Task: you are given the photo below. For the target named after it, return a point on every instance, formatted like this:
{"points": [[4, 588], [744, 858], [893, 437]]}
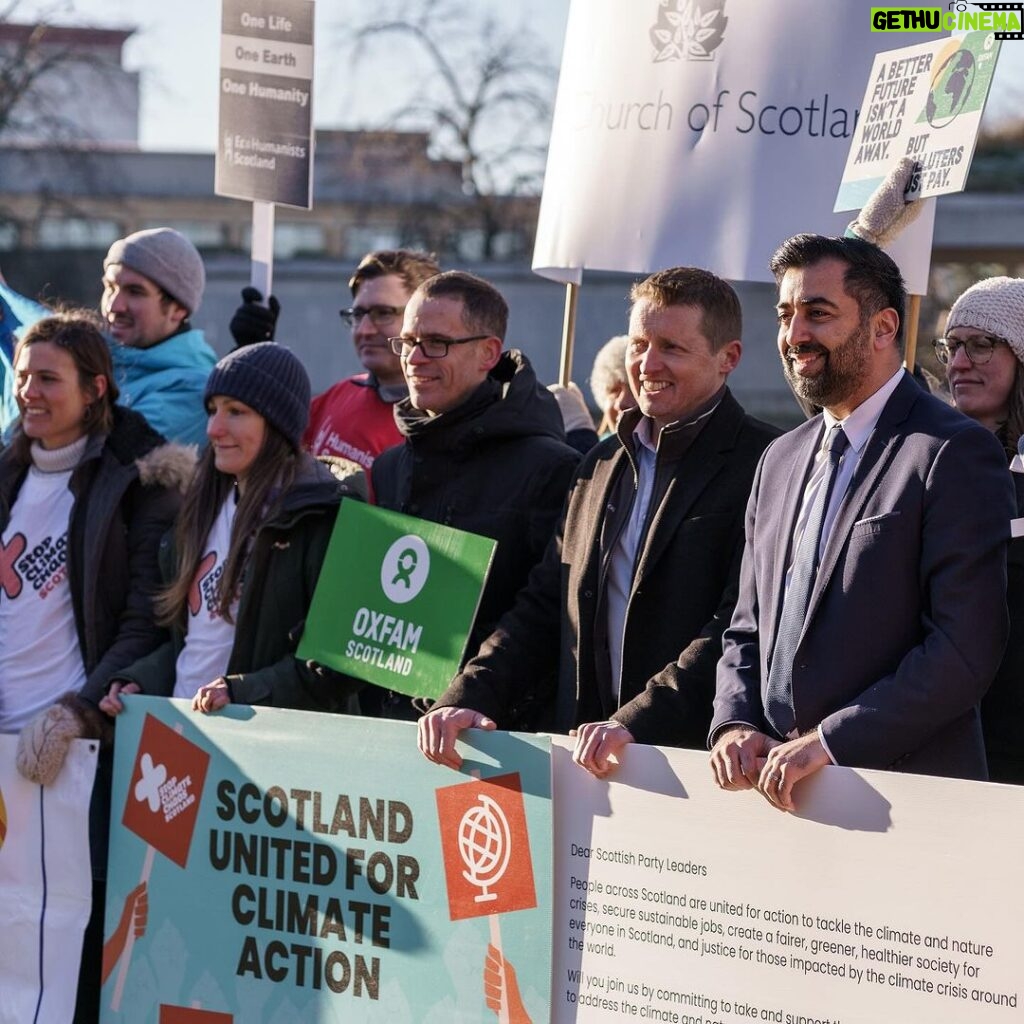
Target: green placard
{"points": [[396, 599]]}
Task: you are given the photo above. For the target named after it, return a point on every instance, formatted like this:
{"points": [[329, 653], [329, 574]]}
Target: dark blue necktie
{"points": [[778, 704]]}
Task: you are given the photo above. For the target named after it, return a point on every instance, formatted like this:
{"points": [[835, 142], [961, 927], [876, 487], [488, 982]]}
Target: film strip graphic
{"points": [[1019, 8]]}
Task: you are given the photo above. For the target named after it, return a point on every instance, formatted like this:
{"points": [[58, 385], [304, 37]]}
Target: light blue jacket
{"points": [[16, 311], [165, 383]]}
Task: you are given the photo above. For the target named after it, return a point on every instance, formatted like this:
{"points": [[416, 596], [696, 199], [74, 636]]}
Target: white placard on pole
{"points": [[924, 102], [705, 144]]}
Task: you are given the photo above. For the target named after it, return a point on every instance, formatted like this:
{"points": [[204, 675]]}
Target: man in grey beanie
{"points": [[152, 284]]}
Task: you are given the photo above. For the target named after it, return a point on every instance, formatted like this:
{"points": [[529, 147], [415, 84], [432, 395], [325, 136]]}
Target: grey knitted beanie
{"points": [[996, 306], [168, 259], [270, 379]]}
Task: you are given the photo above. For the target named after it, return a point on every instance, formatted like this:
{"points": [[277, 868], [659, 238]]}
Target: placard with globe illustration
{"points": [[923, 102]]}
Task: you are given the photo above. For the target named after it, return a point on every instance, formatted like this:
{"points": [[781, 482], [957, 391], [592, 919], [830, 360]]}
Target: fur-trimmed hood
{"points": [[133, 442], [170, 465]]}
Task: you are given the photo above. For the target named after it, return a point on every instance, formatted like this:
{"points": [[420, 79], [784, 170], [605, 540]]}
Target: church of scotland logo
{"points": [[688, 29]]}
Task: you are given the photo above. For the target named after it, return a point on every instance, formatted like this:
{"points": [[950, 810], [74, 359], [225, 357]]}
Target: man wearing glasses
{"points": [[354, 418], [872, 602], [484, 446], [620, 626]]}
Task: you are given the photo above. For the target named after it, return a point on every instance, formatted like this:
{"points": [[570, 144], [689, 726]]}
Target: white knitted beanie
{"points": [[996, 306]]}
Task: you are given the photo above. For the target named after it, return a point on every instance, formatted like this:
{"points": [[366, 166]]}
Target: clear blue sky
{"points": [[176, 49]]}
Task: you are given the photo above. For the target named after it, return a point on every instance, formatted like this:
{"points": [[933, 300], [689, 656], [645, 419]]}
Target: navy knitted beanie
{"points": [[270, 379]]}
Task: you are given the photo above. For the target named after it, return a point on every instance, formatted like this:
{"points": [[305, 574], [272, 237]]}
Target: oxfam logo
{"points": [[405, 569]]}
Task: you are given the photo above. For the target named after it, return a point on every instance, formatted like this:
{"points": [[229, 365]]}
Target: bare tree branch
{"points": [[31, 59], [485, 96]]}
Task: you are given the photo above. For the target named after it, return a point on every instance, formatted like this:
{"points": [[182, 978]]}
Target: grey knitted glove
{"points": [[44, 742], [887, 212]]}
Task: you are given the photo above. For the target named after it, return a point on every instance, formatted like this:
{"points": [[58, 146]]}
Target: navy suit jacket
{"points": [[907, 620]]}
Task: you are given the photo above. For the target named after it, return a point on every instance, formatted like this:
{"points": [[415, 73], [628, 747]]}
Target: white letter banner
{"points": [[705, 132], [883, 897], [46, 884]]}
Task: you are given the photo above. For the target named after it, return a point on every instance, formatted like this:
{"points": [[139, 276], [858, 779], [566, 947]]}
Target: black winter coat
{"points": [[1002, 708], [127, 491], [277, 588], [684, 589], [497, 465]]}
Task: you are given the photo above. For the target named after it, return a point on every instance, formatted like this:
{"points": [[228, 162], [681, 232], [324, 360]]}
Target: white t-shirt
{"points": [[209, 638], [40, 657]]}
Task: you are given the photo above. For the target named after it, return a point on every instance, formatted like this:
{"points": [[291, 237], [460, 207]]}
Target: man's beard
{"points": [[846, 368]]}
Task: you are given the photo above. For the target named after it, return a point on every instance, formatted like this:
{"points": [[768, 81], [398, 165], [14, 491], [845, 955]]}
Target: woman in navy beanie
{"points": [[245, 554]]}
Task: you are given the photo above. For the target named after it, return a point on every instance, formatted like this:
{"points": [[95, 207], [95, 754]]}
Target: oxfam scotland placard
{"points": [[396, 599]]}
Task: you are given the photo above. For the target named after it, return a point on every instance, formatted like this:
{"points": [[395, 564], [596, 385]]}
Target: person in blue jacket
{"points": [[15, 312], [153, 283]]}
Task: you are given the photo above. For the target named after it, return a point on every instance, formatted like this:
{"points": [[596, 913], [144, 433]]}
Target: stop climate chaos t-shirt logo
{"points": [[43, 567], [165, 790]]}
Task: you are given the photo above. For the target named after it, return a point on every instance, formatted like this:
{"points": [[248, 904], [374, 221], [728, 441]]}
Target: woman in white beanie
{"points": [[983, 352], [247, 550]]}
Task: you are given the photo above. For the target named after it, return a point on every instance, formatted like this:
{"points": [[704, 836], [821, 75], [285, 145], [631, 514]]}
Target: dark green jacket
{"points": [[277, 588]]}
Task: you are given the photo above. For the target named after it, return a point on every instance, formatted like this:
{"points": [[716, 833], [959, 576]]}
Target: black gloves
{"points": [[253, 322]]}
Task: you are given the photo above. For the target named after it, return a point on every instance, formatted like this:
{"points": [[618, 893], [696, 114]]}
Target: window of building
{"points": [[505, 245], [367, 237], [203, 234], [291, 240], [76, 233], [8, 236]]}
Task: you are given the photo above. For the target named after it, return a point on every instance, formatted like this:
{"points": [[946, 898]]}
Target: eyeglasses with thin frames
{"points": [[379, 316], [432, 348], [979, 349]]}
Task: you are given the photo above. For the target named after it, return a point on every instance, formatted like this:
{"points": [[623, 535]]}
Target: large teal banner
{"points": [[278, 866]]}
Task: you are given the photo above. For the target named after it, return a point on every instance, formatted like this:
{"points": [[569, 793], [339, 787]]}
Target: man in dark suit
{"points": [[872, 607], [620, 624]]}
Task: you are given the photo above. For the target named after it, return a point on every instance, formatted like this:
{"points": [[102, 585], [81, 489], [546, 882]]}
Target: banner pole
{"points": [[126, 955], [261, 274], [572, 292], [910, 339]]}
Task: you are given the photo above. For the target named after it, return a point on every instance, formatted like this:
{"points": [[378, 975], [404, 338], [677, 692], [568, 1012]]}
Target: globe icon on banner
{"points": [[485, 845], [951, 88]]}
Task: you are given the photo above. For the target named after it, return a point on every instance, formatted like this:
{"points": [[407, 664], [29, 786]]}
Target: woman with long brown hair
{"points": [[247, 549], [87, 489]]}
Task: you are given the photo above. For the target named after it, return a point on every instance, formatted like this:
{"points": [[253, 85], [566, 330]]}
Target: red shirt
{"points": [[350, 419]]}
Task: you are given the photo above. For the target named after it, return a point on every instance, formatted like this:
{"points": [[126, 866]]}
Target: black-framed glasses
{"points": [[979, 349], [432, 348], [379, 315]]}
